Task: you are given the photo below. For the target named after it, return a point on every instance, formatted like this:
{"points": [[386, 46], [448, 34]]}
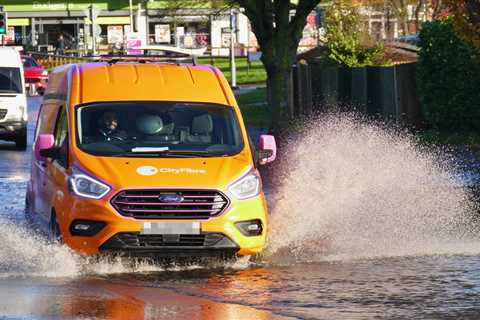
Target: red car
{"points": [[36, 77]]}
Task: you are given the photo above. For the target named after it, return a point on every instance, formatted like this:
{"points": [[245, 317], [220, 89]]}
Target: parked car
{"points": [[412, 39], [13, 101], [149, 159], [36, 77]]}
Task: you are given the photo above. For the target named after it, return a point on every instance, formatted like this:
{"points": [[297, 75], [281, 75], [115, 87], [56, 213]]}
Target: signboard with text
{"points": [[9, 37], [134, 41], [162, 33], [115, 34]]}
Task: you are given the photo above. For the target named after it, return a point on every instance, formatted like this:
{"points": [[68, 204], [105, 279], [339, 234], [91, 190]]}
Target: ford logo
{"points": [[170, 198]]}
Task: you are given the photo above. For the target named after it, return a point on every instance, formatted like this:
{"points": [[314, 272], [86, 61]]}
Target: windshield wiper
{"points": [[169, 153]]}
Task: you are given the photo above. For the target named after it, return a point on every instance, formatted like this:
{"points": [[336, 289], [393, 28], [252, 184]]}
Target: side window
{"points": [[61, 137], [39, 123]]}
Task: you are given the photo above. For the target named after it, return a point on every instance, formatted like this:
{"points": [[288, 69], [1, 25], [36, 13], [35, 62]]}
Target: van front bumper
{"points": [[11, 129], [206, 244], [218, 236]]}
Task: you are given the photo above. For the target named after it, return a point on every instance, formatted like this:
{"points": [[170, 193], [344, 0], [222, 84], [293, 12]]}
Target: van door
{"points": [[47, 117], [56, 172]]}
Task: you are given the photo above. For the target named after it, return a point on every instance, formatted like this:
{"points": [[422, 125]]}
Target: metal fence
{"points": [[389, 92]]}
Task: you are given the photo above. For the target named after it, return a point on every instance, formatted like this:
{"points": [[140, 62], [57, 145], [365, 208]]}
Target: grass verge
{"points": [[253, 74], [255, 111]]}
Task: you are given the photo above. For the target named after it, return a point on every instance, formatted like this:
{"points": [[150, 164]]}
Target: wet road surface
{"points": [[39, 280]]}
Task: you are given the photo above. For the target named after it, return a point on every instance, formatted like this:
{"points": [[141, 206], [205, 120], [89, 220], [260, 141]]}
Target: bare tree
{"points": [[421, 4], [437, 7], [400, 9]]}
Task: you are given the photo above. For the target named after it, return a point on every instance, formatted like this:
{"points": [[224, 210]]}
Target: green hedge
{"points": [[448, 78]]}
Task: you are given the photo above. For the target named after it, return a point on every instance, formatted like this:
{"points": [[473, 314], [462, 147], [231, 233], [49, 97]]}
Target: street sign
{"points": [[92, 13], [97, 30]]}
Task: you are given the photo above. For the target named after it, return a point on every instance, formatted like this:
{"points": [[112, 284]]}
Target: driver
{"points": [[109, 129]]}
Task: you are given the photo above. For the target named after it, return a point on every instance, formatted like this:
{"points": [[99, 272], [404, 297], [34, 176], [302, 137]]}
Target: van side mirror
{"points": [[268, 149], [44, 142]]}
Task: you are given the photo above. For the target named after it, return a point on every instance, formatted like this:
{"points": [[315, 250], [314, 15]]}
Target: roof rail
{"points": [[176, 50], [112, 59]]}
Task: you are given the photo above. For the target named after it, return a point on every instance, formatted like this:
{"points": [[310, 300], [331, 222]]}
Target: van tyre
{"points": [[21, 140], [55, 233], [28, 213]]}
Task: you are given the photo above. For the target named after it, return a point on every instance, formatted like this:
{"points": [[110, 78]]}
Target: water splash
{"points": [[351, 189], [348, 189], [25, 253]]}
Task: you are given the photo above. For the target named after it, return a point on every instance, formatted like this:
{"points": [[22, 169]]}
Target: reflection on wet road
{"points": [[39, 280]]}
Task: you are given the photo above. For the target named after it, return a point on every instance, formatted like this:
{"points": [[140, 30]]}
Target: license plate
{"points": [[170, 228]]}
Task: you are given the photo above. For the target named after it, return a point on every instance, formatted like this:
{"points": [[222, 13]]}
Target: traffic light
{"points": [[3, 22]]}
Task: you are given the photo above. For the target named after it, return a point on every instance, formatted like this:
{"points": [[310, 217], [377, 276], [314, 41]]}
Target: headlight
{"points": [[85, 186], [45, 73], [247, 186]]}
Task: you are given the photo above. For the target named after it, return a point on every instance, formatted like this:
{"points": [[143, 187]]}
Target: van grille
{"points": [[170, 204], [178, 240], [3, 113]]}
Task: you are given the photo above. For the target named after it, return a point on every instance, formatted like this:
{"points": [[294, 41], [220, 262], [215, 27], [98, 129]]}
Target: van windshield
{"points": [[158, 129], [10, 80]]}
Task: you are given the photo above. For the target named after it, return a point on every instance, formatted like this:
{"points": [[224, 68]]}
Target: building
{"points": [[37, 24]]}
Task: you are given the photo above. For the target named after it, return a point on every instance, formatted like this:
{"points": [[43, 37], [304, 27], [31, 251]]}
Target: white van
{"points": [[13, 100]]}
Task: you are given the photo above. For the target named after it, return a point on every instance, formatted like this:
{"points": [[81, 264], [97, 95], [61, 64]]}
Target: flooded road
{"points": [[416, 261]]}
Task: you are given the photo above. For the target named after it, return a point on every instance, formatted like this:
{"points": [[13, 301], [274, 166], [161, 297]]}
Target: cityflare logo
{"points": [[150, 170]]}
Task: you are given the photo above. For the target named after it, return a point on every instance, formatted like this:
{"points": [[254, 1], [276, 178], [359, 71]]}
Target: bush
{"points": [[448, 78], [347, 41]]}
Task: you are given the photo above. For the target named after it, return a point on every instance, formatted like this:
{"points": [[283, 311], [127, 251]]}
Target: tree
{"points": [[278, 27], [348, 42], [467, 19], [437, 7], [400, 9], [448, 78]]}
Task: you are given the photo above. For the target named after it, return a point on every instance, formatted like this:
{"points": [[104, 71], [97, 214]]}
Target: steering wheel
{"points": [[117, 138]]}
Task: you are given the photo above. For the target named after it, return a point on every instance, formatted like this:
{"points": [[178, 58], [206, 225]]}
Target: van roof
{"points": [[9, 57], [123, 81]]}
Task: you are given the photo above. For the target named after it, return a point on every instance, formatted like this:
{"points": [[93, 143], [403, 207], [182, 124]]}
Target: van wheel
{"points": [[55, 233], [28, 213], [21, 140]]}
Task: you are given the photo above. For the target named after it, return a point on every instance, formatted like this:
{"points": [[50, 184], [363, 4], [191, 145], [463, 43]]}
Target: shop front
{"points": [[49, 25], [82, 27]]}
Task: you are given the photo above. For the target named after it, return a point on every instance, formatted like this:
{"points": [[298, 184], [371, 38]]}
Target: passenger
{"points": [[109, 129]]}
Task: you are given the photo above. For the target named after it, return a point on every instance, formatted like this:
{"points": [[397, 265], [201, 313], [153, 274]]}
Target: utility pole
{"points": [[233, 29], [131, 15], [92, 29]]}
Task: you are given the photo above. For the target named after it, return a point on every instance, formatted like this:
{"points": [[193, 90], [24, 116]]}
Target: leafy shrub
{"points": [[347, 41], [448, 78]]}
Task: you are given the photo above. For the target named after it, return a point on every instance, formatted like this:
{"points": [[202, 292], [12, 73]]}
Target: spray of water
{"points": [[346, 189], [351, 189], [28, 254], [24, 254]]}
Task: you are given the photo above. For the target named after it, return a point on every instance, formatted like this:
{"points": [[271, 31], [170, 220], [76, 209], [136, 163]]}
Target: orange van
{"points": [[147, 159]]}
